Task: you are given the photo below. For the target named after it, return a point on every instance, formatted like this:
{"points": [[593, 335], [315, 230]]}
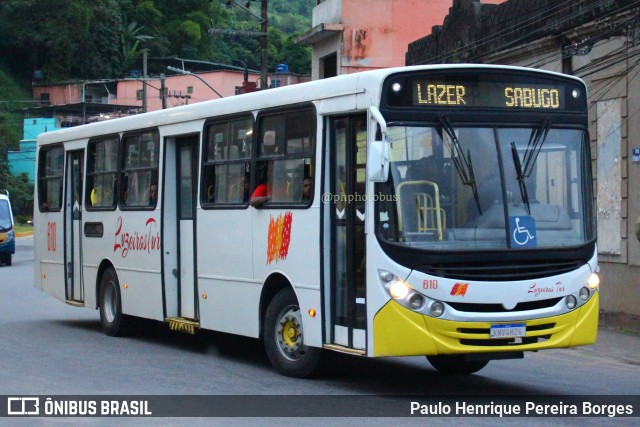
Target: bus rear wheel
{"points": [[284, 337], [114, 323], [456, 364]]}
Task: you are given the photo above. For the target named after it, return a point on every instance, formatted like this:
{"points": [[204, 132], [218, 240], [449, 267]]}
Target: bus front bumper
{"points": [[402, 332], [7, 246]]}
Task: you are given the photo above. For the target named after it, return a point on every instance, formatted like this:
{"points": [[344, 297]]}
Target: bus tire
{"points": [[456, 364], [6, 258], [284, 338], [114, 323]]}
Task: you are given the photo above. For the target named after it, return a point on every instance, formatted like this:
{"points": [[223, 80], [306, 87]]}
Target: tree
{"points": [[130, 43], [20, 190]]}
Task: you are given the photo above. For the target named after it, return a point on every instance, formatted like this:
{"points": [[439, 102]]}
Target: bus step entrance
{"points": [[181, 324]]}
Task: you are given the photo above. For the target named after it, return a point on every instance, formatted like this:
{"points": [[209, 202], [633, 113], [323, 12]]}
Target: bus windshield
{"points": [[468, 188], [5, 216]]}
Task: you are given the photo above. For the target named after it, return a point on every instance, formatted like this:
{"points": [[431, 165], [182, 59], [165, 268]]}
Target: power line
{"points": [[491, 37]]}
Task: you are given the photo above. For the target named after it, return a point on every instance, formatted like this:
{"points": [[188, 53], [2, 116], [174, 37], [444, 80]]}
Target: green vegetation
{"points": [[23, 228], [101, 39], [13, 97]]}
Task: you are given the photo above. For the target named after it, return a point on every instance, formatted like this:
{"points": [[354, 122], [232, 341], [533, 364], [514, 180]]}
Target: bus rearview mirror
{"points": [[378, 161]]}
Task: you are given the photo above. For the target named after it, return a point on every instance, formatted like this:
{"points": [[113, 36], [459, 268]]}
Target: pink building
{"points": [[128, 93], [348, 36]]}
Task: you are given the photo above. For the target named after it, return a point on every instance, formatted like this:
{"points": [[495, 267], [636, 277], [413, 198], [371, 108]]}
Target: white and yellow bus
{"points": [[444, 211]]}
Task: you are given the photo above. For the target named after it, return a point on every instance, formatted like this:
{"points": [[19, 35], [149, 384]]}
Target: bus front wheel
{"points": [[114, 323], [284, 337], [456, 364]]}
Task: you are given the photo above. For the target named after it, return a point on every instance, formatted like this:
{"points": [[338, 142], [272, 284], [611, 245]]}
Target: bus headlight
{"points": [[385, 276], [593, 281], [437, 309], [571, 302], [402, 292], [399, 289], [10, 236], [584, 293], [416, 301]]}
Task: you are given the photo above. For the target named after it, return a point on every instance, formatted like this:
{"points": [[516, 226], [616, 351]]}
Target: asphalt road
{"points": [[50, 348]]}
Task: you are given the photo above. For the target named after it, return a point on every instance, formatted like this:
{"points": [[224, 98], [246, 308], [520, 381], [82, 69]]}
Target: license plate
{"points": [[513, 330]]}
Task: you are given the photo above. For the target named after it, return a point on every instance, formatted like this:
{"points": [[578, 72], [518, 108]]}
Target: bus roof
{"points": [[304, 92]]}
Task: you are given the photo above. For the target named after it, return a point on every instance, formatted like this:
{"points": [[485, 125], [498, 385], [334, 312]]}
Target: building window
{"points": [[139, 95], [275, 83], [329, 66], [140, 170], [227, 159], [45, 99], [50, 173], [189, 89], [102, 173]]}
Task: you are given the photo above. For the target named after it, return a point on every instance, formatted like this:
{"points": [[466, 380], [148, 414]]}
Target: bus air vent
{"points": [[496, 271]]}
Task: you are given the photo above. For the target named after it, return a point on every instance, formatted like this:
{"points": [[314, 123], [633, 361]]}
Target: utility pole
{"points": [[144, 82], [264, 26], [263, 43], [163, 92]]}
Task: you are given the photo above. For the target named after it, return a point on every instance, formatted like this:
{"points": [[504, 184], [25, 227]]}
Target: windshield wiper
{"points": [[524, 169], [463, 164]]}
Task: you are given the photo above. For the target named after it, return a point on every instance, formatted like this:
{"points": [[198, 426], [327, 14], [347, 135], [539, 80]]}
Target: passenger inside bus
{"points": [[306, 189], [153, 194], [262, 193]]}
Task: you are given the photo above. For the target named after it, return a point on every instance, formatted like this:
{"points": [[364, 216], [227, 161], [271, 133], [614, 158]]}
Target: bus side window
{"points": [[284, 156], [226, 165], [140, 171], [50, 173], [102, 172]]}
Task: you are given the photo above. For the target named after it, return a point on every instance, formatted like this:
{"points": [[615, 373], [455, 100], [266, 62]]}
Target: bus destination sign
{"points": [[487, 94]]}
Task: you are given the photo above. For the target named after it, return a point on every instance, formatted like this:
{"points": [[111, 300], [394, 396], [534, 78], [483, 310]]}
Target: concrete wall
{"points": [[375, 33]]}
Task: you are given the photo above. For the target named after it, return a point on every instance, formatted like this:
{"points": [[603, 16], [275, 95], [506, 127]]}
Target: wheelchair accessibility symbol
{"points": [[523, 231]]}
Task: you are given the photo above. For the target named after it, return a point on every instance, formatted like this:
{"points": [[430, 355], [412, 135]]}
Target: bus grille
{"points": [[500, 272], [481, 333], [499, 308]]}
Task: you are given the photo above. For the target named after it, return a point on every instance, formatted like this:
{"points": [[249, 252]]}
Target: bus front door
{"points": [[73, 227], [179, 255], [348, 144]]}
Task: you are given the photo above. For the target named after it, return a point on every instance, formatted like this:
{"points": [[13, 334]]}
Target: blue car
{"points": [[7, 234]]}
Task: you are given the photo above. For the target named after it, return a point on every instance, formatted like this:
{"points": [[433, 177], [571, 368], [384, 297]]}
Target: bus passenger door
{"points": [[179, 204], [73, 226], [346, 211]]}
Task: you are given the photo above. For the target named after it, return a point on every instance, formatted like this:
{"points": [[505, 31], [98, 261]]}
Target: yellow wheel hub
{"points": [[290, 333]]}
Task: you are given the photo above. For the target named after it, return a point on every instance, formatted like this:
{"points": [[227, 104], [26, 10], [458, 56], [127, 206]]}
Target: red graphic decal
{"points": [[279, 237], [146, 240], [459, 289]]}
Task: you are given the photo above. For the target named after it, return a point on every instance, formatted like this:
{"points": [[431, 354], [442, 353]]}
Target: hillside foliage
{"points": [[98, 39], [51, 41]]}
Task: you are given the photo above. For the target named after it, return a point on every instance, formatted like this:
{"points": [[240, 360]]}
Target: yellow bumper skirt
{"points": [[402, 332]]}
